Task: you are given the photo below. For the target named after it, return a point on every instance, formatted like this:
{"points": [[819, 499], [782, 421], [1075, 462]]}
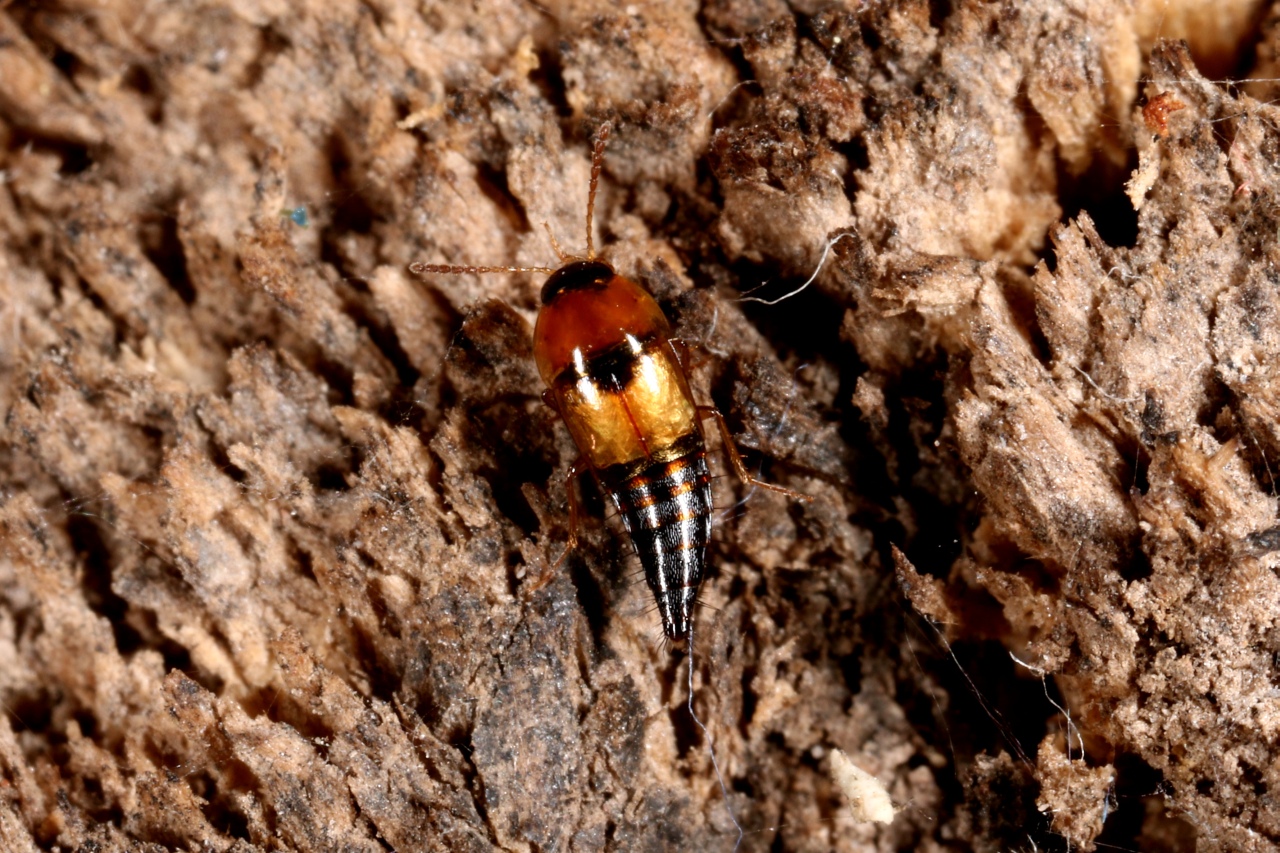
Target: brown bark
{"points": [[272, 509]]}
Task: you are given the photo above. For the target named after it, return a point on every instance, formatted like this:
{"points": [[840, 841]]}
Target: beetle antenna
{"points": [[450, 269], [597, 163], [555, 246]]}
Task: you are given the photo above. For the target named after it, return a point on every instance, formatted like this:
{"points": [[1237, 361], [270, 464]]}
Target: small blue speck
{"points": [[298, 215]]}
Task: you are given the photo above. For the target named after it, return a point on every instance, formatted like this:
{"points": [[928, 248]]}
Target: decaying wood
{"points": [[271, 507]]}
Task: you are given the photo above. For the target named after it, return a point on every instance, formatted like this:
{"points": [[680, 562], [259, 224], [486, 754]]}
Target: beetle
{"points": [[606, 353]]}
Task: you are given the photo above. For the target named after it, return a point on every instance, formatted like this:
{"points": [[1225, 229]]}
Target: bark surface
{"points": [[274, 513]]}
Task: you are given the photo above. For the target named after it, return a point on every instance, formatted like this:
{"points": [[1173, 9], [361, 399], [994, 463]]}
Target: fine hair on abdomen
{"points": [[666, 508]]}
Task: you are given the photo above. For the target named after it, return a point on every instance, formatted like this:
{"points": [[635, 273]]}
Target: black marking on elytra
{"points": [[578, 275], [612, 369]]}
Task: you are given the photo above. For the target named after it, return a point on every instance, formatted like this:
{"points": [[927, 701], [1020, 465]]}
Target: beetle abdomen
{"points": [[666, 507]]}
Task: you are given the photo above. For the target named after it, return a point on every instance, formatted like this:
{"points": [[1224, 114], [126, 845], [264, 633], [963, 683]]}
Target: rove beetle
{"points": [[604, 349]]}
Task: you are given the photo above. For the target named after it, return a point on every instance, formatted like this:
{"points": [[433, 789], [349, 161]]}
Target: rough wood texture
{"points": [[271, 507]]}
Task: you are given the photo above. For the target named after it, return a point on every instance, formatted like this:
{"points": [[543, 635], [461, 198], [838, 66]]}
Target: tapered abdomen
{"points": [[666, 508]]}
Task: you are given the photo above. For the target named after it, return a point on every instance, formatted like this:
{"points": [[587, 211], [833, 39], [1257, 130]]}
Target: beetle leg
{"points": [[691, 356], [735, 458], [544, 577], [579, 465], [549, 400]]}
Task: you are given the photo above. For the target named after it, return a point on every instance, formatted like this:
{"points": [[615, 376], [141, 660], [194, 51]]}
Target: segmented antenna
{"points": [[450, 269], [555, 244], [597, 163]]}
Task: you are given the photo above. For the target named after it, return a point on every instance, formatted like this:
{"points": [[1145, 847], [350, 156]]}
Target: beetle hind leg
{"points": [[735, 457], [544, 577]]}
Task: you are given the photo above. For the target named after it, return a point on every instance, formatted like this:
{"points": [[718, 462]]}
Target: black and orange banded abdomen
{"points": [[666, 508]]}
